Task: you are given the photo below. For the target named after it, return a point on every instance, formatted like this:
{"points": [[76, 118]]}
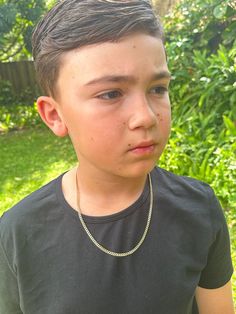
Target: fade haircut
{"points": [[71, 24]]}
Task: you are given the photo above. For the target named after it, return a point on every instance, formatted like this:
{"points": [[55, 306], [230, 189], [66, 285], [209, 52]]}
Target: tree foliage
{"points": [[205, 24], [17, 19], [163, 6], [201, 49]]}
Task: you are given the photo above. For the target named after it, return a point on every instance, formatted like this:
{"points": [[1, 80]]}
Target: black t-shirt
{"points": [[48, 265]]}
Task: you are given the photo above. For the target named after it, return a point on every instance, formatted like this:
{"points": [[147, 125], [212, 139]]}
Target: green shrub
{"points": [[7, 98], [16, 117], [202, 24], [17, 111], [207, 85], [206, 155], [201, 49], [201, 53]]}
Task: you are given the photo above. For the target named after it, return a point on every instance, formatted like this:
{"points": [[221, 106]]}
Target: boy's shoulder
{"points": [[46, 203], [188, 194], [179, 183]]}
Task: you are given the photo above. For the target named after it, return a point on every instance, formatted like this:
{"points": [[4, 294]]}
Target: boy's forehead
{"points": [[105, 58]]}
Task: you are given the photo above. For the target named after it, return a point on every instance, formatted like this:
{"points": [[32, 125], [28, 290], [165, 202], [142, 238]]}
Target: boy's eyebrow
{"points": [[127, 78]]}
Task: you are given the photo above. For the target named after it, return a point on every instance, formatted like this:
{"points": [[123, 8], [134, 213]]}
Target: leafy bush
{"points": [[202, 24], [200, 152], [201, 50], [18, 117], [7, 98], [16, 111], [207, 85], [17, 19]]}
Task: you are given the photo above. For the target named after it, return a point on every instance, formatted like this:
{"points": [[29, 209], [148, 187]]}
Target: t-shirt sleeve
{"points": [[9, 297], [219, 268]]}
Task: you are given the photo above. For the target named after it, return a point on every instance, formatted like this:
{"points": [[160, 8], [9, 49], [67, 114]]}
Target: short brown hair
{"points": [[71, 24]]}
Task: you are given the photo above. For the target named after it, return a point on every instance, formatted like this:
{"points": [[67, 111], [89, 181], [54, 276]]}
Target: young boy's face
{"points": [[114, 102]]}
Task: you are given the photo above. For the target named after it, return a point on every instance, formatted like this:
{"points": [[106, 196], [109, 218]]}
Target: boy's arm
{"points": [[9, 297], [214, 292], [215, 301]]}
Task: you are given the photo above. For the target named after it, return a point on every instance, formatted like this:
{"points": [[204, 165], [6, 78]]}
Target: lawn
{"points": [[29, 159]]}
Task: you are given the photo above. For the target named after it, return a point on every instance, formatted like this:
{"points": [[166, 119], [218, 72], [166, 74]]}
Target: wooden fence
{"points": [[21, 75]]}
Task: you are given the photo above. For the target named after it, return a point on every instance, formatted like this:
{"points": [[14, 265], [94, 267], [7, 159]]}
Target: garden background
{"points": [[201, 49]]}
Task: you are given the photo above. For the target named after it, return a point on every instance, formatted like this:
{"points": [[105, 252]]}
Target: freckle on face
{"points": [[159, 117]]}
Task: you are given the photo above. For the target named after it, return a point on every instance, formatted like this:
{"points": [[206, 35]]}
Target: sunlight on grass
{"points": [[28, 160]]}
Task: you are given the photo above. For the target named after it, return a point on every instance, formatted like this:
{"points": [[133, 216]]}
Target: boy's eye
{"points": [[160, 90], [110, 95]]}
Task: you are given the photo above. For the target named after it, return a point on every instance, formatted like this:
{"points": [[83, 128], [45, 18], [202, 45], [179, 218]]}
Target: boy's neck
{"points": [[101, 196]]}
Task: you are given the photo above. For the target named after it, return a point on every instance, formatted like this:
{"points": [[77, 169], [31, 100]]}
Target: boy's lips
{"points": [[146, 147]]}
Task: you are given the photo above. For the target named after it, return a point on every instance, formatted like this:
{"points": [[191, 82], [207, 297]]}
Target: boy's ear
{"points": [[50, 114]]}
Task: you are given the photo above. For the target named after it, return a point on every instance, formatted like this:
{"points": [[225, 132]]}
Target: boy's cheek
{"points": [[165, 119]]}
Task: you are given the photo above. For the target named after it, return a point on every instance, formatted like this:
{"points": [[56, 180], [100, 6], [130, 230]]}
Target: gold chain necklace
{"points": [[102, 248]]}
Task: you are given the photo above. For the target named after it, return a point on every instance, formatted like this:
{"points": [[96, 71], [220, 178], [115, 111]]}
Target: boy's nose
{"points": [[143, 114]]}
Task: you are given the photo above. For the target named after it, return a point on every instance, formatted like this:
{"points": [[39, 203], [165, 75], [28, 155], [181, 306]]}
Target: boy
{"points": [[115, 235]]}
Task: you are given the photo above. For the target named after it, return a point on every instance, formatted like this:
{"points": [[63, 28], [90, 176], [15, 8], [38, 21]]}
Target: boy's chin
{"points": [[138, 171]]}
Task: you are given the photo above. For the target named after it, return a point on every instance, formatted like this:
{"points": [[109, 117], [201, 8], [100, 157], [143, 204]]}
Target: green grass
{"points": [[31, 158]]}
